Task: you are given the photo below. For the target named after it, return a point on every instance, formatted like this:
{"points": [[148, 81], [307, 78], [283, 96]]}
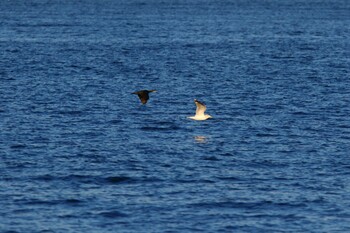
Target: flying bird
{"points": [[143, 95], [200, 116]]}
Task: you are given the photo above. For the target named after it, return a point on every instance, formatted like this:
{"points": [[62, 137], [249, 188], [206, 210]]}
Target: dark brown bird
{"points": [[143, 95]]}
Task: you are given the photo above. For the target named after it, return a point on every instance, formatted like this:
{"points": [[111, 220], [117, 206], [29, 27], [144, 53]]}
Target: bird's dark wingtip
{"points": [[199, 102]]}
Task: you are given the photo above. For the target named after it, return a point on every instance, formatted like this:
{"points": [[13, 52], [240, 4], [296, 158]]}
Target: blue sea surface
{"points": [[80, 153]]}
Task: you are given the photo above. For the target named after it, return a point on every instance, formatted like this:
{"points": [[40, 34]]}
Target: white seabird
{"points": [[200, 116]]}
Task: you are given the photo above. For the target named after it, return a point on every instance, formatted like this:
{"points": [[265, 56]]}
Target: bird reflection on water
{"points": [[201, 139]]}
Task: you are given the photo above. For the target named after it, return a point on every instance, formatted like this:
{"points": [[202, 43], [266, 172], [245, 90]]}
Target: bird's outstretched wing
{"points": [[200, 108]]}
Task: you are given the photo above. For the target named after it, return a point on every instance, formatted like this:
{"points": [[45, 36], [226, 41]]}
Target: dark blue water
{"points": [[79, 153]]}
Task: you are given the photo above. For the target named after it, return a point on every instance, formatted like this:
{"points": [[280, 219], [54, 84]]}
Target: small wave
{"points": [[148, 128], [115, 122], [202, 181], [118, 179], [250, 205], [299, 113], [91, 179], [160, 126], [45, 25], [73, 113], [41, 202], [126, 179], [231, 178], [70, 178], [211, 158], [112, 214], [47, 231], [18, 146], [308, 48], [296, 33], [72, 201], [46, 177], [277, 57], [152, 128], [262, 135]]}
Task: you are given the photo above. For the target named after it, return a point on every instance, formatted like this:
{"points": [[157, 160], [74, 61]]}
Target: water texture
{"points": [[79, 153]]}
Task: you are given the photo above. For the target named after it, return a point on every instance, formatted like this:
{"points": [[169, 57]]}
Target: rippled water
{"points": [[80, 153]]}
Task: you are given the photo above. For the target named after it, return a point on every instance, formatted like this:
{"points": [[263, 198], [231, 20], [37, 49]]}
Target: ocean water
{"points": [[79, 153]]}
